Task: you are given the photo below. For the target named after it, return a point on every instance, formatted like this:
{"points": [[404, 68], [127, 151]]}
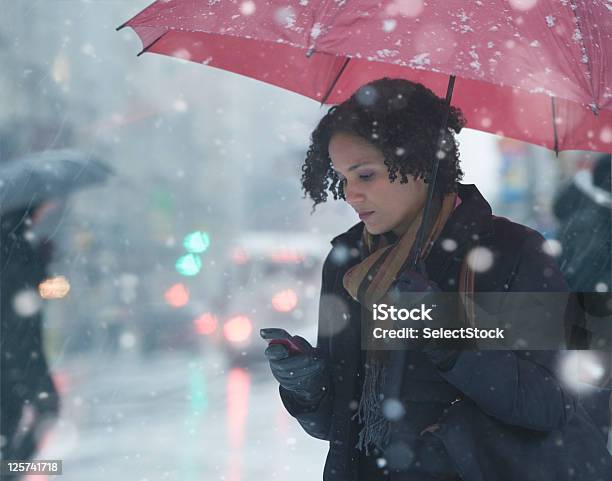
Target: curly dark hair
{"points": [[403, 120]]}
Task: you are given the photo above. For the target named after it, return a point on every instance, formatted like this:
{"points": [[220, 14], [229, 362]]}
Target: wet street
{"points": [[176, 418]]}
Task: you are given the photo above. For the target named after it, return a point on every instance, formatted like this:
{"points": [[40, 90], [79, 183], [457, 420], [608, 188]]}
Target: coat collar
{"points": [[472, 217], [470, 224]]}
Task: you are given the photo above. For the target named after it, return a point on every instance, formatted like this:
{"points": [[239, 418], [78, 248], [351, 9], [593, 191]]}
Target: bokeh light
{"points": [[54, 288], [285, 301], [205, 324], [177, 295], [188, 265], [196, 242], [238, 329]]}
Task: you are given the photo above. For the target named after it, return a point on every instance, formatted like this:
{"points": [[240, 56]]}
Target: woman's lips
{"points": [[365, 215]]}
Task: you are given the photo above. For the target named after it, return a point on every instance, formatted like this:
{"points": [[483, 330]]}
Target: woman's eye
{"points": [[366, 176]]}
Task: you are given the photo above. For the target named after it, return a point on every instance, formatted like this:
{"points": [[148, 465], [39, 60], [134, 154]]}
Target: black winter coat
{"points": [[515, 421], [585, 235]]}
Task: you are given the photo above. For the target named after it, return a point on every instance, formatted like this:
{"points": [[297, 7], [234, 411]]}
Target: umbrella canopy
{"points": [[533, 70], [30, 180]]}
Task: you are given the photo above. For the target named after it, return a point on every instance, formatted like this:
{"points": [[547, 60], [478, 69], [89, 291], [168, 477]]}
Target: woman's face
{"points": [[382, 205]]}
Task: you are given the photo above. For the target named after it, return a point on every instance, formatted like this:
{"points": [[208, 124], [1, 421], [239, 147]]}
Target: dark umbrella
{"points": [[30, 180]]}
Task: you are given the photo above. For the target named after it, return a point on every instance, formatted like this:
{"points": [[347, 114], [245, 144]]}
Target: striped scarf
{"points": [[369, 282]]}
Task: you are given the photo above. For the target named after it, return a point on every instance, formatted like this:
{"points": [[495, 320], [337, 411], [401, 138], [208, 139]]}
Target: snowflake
{"points": [[389, 25], [385, 53], [420, 60], [316, 30], [464, 18], [550, 20]]}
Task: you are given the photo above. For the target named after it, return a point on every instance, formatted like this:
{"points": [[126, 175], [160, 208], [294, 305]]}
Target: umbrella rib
{"points": [[146, 49], [594, 106], [124, 24], [554, 122], [331, 88]]}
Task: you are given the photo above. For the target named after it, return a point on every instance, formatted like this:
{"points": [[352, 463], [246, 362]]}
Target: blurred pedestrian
{"points": [[30, 401], [461, 413], [584, 210]]}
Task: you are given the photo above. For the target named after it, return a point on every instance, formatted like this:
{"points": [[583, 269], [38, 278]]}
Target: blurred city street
{"points": [[176, 417]]}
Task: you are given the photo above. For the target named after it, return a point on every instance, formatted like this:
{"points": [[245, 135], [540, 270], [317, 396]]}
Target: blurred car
{"points": [[272, 280], [163, 328]]}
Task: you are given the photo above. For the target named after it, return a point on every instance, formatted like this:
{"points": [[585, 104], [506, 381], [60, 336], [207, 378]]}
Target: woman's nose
{"points": [[353, 194]]}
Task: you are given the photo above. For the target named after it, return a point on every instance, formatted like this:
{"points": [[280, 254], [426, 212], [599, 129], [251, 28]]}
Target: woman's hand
{"points": [[304, 374]]}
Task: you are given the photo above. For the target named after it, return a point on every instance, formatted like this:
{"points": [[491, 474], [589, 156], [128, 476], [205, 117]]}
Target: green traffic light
{"points": [[188, 265], [196, 242]]}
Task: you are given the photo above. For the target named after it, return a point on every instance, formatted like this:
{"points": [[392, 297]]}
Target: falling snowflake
{"points": [[550, 20], [182, 54], [180, 105], [367, 95], [523, 5], [406, 8], [552, 247], [580, 371], [88, 49], [247, 8], [606, 135], [27, 302], [449, 245], [486, 122], [389, 25], [480, 259], [393, 409]]}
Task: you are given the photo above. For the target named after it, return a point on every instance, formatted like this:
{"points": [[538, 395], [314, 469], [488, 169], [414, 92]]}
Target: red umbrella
{"points": [[533, 70]]}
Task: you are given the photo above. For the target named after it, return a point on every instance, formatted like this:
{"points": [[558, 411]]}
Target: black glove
{"points": [[304, 374]]}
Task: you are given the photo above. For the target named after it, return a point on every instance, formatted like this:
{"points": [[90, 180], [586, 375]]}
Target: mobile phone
{"points": [[276, 335]]}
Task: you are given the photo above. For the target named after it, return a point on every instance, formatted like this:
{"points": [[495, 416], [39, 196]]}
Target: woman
{"points": [[463, 414]]}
